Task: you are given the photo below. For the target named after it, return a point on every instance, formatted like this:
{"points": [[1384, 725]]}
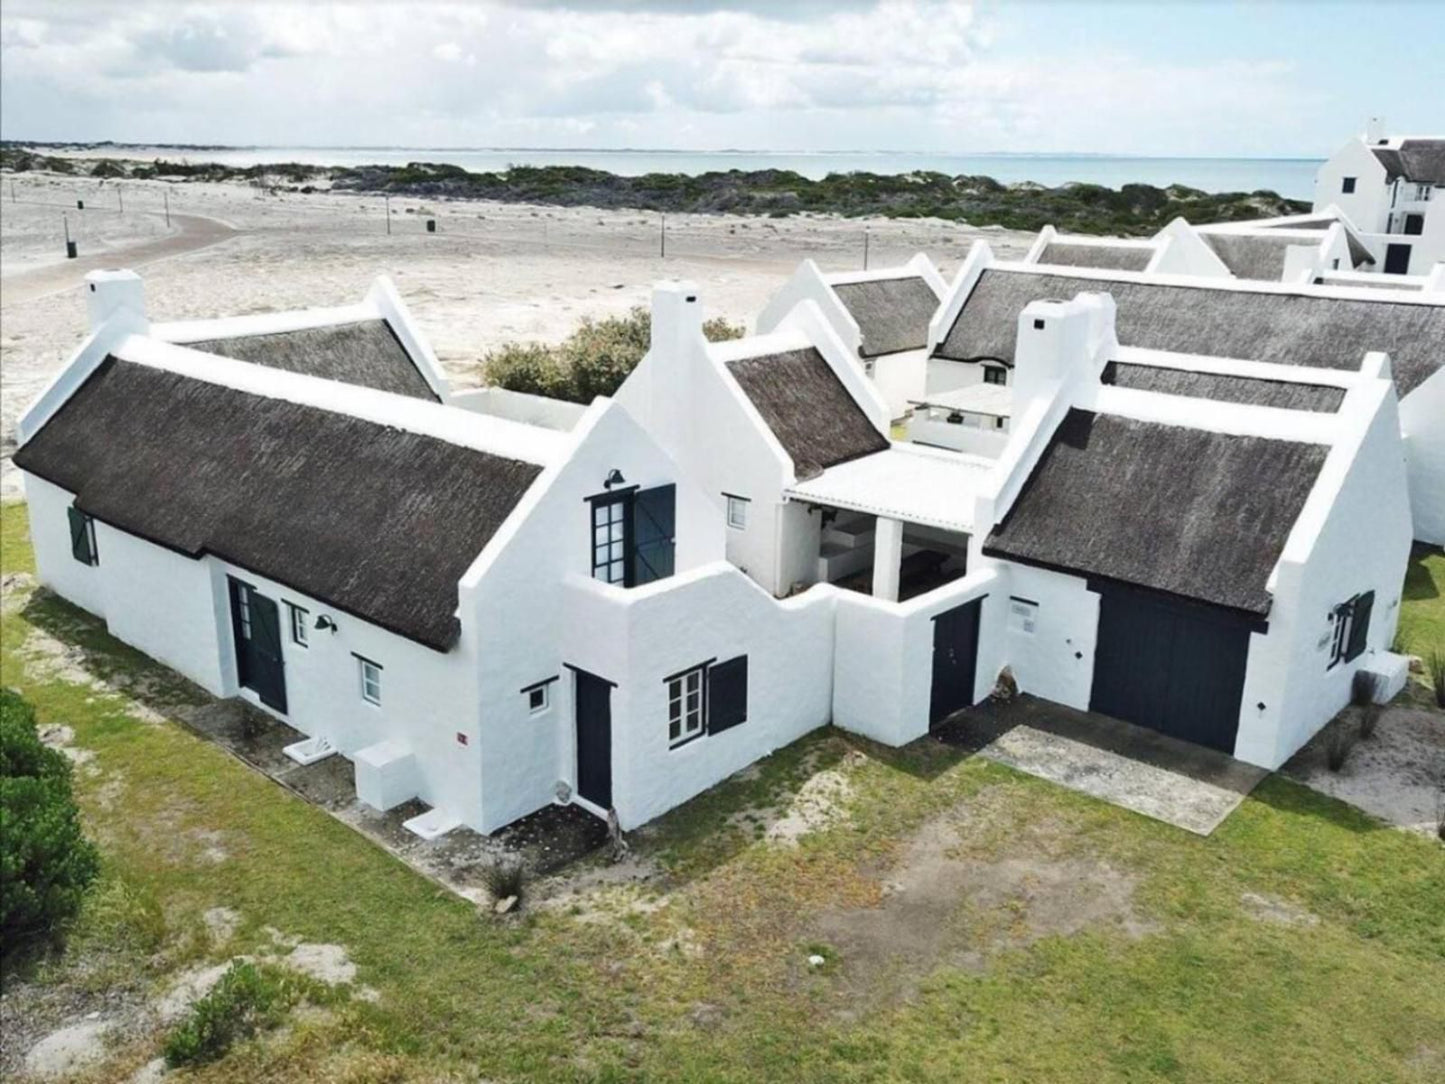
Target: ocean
{"points": [[1290, 177]]}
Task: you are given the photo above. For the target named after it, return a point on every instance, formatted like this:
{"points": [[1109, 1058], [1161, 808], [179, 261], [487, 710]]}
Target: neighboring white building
{"points": [[1328, 327], [620, 609], [880, 315], [1391, 188]]}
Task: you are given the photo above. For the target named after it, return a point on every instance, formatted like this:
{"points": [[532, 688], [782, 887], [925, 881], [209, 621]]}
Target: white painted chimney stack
{"points": [[1375, 130], [1058, 340], [676, 318], [116, 297]]}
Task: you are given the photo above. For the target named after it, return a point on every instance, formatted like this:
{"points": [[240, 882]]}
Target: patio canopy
{"points": [[993, 400], [906, 482]]}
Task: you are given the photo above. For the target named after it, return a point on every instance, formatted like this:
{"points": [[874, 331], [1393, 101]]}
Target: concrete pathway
{"points": [[1173, 781], [194, 232]]}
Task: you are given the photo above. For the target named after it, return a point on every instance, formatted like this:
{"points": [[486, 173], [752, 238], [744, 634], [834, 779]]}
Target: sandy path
{"points": [[192, 232]]}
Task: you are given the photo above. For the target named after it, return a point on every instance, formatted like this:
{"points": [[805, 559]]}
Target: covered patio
{"points": [[896, 522], [972, 419]]}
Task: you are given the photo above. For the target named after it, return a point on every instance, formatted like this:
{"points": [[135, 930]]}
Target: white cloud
{"points": [[895, 74]]}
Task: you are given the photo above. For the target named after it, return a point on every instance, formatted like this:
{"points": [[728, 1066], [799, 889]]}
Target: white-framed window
{"points": [[737, 512], [1023, 615], [539, 699], [299, 628], [1422, 192], [686, 706], [369, 675]]}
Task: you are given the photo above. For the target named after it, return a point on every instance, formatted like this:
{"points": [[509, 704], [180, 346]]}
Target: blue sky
{"points": [[1168, 78]]}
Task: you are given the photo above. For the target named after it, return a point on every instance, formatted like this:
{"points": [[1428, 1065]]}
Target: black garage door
{"points": [[1170, 665]]}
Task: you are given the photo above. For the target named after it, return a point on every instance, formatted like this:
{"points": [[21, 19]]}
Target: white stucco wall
{"points": [[176, 609], [1368, 206], [1353, 536], [55, 566], [656, 631], [883, 666], [1422, 420], [1056, 661], [525, 613]]}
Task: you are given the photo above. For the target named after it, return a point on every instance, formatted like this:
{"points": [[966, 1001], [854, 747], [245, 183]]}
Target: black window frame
{"points": [[82, 538], [731, 678], [995, 374], [1347, 185], [1350, 632], [621, 499]]}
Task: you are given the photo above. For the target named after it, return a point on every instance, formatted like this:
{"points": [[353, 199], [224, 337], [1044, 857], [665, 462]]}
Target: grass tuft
{"points": [[1338, 743], [504, 878], [247, 999]]}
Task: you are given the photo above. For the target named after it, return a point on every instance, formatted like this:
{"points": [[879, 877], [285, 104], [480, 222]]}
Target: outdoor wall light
{"points": [[324, 622], [614, 478]]}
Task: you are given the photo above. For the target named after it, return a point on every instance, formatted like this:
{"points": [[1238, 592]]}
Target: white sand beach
{"points": [[491, 273]]}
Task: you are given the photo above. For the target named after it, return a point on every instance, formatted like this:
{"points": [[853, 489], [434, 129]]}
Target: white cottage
{"points": [[620, 608]]}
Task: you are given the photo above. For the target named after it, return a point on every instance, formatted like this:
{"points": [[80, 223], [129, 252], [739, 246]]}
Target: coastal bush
{"points": [[246, 1000], [594, 360], [46, 863]]}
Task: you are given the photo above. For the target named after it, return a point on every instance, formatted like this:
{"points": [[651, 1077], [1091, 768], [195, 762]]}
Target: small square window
{"points": [[738, 513], [370, 674], [1022, 616], [1347, 185], [538, 699], [299, 630], [1038, 325], [992, 374]]}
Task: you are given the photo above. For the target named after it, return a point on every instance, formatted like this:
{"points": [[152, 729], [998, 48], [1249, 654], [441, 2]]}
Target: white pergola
{"points": [[906, 483]]}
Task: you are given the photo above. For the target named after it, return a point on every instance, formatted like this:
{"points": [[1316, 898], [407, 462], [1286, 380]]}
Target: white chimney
{"points": [[116, 297], [1375, 130], [676, 318], [1058, 340]]}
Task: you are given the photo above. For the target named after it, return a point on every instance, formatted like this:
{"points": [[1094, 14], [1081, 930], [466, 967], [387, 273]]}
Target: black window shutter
{"points": [[727, 694], [80, 546], [654, 525], [1360, 625]]}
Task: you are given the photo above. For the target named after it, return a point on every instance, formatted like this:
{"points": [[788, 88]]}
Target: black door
{"points": [[1397, 259], [256, 624], [594, 739], [955, 659], [1414, 224], [1170, 665]]}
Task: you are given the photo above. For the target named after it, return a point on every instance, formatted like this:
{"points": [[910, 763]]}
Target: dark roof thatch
{"points": [[1198, 514], [1289, 329], [1359, 254], [1421, 161], [376, 521], [893, 314], [366, 353], [1104, 257], [815, 419], [1252, 256], [1224, 388]]}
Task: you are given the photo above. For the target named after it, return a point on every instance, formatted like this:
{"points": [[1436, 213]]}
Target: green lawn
{"points": [[1422, 615], [1042, 936]]}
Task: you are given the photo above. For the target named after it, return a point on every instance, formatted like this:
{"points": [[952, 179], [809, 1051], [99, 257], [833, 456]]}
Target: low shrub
{"points": [[504, 878], [1364, 689], [247, 999], [1338, 743], [46, 863], [594, 360]]}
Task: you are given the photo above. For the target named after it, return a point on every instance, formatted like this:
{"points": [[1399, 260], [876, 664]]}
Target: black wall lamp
{"points": [[323, 622], [614, 478]]}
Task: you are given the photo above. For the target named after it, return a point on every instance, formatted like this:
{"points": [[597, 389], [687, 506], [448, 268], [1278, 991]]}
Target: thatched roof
{"points": [[1252, 255], [803, 402], [367, 353], [1104, 257], [1359, 254], [1289, 329], [1224, 388], [378, 522], [1421, 161], [892, 314], [1197, 514]]}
